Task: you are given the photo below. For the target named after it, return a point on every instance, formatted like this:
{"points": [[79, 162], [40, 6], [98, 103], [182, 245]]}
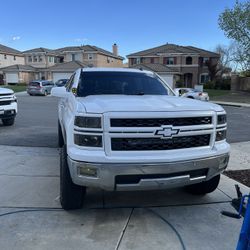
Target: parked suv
{"points": [[125, 129], [8, 106], [42, 87]]}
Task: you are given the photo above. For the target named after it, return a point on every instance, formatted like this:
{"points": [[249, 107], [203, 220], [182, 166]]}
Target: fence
{"points": [[240, 83]]}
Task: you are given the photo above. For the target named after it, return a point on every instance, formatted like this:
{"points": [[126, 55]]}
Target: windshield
{"points": [[121, 83]]}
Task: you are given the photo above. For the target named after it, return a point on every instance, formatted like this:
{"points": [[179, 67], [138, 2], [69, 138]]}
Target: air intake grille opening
{"points": [[141, 144], [157, 122], [134, 179]]}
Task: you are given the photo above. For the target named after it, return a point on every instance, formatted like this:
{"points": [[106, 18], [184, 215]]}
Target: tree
{"points": [[223, 65], [235, 23]]}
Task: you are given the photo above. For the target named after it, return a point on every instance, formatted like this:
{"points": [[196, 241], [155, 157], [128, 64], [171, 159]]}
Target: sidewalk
{"points": [[239, 156], [109, 220]]}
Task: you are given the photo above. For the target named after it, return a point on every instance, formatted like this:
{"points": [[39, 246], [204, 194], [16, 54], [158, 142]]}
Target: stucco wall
{"points": [[10, 60]]}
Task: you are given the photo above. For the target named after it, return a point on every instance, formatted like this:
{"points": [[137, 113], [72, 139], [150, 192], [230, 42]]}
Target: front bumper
{"points": [[140, 176], [8, 111]]}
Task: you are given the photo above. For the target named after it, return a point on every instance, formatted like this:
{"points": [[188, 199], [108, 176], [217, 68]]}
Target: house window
{"points": [[152, 60], [138, 60], [35, 58], [189, 60], [5, 56], [90, 56], [204, 78], [109, 60], [30, 59], [40, 58], [169, 60], [73, 57], [14, 58], [51, 59], [205, 60]]}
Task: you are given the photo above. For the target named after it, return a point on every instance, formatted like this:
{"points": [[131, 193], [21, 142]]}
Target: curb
{"points": [[234, 104]]}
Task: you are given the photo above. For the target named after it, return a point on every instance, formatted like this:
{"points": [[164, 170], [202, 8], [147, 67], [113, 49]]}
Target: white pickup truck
{"points": [[8, 106], [125, 129]]}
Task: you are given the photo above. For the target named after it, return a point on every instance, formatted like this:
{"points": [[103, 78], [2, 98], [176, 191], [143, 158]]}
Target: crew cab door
{"points": [[66, 105]]}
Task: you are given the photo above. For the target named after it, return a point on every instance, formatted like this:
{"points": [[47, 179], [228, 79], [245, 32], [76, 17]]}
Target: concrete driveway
{"points": [[31, 217]]}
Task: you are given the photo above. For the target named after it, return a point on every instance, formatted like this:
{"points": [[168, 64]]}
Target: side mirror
{"points": [[59, 91]]}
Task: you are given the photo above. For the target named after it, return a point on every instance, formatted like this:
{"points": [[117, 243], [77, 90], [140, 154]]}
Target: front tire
{"points": [[204, 187], [71, 195], [8, 122]]}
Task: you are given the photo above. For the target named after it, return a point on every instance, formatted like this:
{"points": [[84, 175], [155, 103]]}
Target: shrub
{"points": [[22, 84], [209, 85], [223, 84]]}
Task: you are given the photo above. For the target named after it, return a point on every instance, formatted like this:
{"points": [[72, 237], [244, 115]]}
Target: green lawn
{"points": [[216, 92], [15, 88]]}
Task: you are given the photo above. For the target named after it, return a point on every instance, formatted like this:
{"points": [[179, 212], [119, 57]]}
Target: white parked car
{"points": [[192, 93], [8, 106], [125, 129]]}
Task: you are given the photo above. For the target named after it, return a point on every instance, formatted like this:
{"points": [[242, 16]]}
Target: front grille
{"points": [[2, 103], [157, 122], [140, 144], [134, 179], [6, 95]]}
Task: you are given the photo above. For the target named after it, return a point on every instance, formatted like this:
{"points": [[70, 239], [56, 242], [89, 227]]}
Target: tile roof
{"points": [[155, 67], [90, 48], [8, 50], [67, 66], [203, 51], [19, 68], [171, 48], [43, 50]]}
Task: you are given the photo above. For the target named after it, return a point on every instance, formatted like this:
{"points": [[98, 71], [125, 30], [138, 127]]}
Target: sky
{"points": [[133, 24]]}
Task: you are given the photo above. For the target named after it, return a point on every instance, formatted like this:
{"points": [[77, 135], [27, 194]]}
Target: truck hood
{"points": [[5, 91], [146, 103]]}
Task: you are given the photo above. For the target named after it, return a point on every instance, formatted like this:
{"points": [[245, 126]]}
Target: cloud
{"points": [[81, 40], [15, 38]]}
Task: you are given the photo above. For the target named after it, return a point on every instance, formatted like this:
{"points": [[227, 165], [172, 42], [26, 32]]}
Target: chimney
{"points": [[115, 49]]}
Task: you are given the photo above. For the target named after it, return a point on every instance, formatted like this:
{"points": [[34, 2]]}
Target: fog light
{"points": [[87, 171], [221, 135], [88, 140]]}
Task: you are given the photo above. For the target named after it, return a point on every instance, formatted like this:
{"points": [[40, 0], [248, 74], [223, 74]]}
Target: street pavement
{"points": [[31, 216]]}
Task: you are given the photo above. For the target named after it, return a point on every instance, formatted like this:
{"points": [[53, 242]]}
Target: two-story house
{"points": [[8, 57], [188, 63], [41, 59], [91, 55], [43, 63], [72, 57]]}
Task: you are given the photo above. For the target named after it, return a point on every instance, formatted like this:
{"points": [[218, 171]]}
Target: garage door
{"points": [[58, 76], [11, 77], [169, 79]]}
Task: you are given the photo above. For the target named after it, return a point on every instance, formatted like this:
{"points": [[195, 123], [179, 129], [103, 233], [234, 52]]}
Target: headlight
{"points": [[88, 140], [221, 135], [88, 122], [221, 119]]}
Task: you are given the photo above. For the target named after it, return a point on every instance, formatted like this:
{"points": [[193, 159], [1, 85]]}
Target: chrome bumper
{"points": [[104, 175]]}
